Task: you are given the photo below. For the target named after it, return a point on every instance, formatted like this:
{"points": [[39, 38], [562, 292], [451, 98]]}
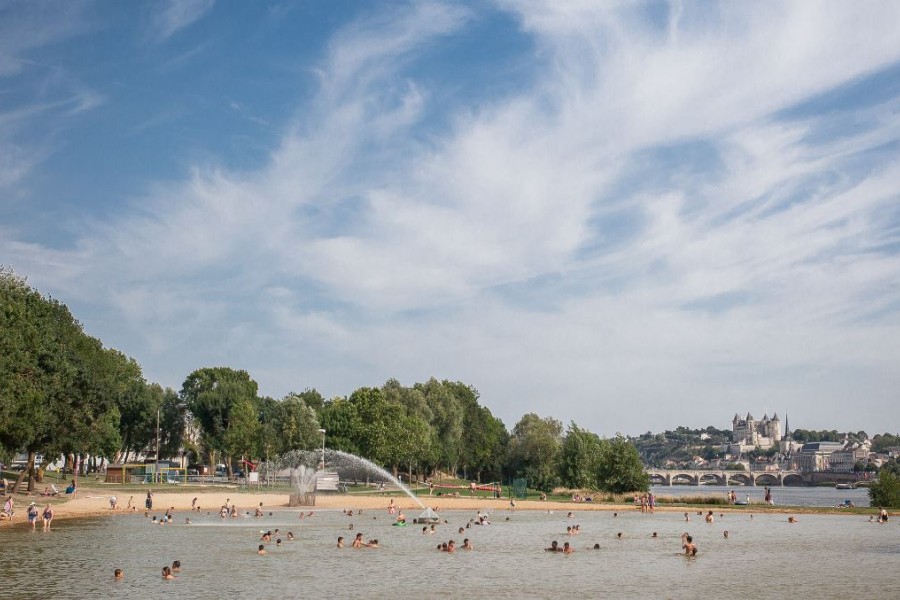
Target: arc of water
{"points": [[299, 462]]}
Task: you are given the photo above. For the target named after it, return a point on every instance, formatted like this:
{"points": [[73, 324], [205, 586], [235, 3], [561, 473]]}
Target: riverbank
{"points": [[96, 502]]}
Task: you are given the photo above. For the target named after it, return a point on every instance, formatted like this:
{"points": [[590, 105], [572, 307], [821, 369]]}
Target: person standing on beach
{"points": [[47, 516], [149, 501], [32, 515]]}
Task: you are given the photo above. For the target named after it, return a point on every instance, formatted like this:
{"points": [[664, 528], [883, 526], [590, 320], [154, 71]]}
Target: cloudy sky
{"points": [[629, 215]]}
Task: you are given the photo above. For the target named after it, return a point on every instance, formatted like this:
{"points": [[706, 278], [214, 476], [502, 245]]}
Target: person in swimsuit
{"points": [[167, 573], [358, 541], [467, 545], [687, 543], [32, 514], [176, 566], [554, 547], [261, 549], [118, 574], [340, 542], [567, 549], [47, 517]]}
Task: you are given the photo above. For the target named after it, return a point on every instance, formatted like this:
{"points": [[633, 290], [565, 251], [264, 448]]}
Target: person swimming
{"points": [[567, 549], [167, 573], [176, 566], [687, 543], [340, 542], [467, 545], [261, 549], [554, 547], [118, 574], [358, 541]]}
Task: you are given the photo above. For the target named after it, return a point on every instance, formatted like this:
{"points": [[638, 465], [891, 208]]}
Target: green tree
{"points": [[534, 450], [210, 394], [581, 457], [340, 419], [447, 421], [296, 424], [621, 469], [885, 491], [241, 439]]}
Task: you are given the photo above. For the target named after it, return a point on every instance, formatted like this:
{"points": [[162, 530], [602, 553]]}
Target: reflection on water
{"points": [[763, 557]]}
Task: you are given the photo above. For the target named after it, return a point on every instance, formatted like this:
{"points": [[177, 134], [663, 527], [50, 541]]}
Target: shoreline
{"points": [[95, 503]]}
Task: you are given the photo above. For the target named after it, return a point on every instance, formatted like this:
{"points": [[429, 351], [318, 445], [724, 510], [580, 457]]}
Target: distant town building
{"points": [[749, 433], [816, 456]]}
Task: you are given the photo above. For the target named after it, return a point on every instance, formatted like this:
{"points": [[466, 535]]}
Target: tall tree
{"points": [[581, 457], [621, 469], [210, 394], [534, 450]]}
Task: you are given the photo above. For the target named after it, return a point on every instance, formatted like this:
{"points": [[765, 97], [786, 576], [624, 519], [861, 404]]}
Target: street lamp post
{"points": [[156, 472], [322, 431]]}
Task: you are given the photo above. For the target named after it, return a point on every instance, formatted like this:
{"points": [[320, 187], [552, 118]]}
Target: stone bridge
{"points": [[726, 478]]}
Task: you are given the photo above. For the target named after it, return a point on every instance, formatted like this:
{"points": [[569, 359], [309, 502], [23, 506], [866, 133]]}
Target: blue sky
{"points": [[628, 215]]}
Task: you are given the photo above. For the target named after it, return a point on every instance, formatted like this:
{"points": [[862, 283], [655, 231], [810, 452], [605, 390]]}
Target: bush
{"points": [[886, 491]]}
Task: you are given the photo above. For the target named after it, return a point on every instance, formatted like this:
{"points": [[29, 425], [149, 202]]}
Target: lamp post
{"points": [[322, 431], [156, 472]]}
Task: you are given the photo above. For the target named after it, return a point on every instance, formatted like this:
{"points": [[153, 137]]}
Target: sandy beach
{"points": [[95, 502]]}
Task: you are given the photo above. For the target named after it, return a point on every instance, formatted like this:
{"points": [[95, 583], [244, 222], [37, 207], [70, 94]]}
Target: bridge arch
{"points": [[713, 479], [793, 479], [658, 479], [739, 478], [684, 479], [768, 479]]}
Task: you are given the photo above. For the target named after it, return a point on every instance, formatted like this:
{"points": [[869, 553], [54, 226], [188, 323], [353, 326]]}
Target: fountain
{"points": [[300, 465]]}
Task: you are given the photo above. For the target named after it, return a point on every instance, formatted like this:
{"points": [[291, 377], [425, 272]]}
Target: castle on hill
{"points": [[748, 433]]}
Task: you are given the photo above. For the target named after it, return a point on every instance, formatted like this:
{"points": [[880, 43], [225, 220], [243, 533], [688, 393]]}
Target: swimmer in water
{"points": [[290, 536], [451, 546], [619, 535], [567, 549], [554, 547], [687, 517], [687, 543], [467, 545], [357, 541], [654, 535], [167, 573], [596, 546], [792, 520], [709, 517], [278, 542], [119, 574], [725, 534], [340, 542], [261, 549], [176, 566]]}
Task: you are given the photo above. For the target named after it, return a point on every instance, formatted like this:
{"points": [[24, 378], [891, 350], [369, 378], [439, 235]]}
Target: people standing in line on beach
{"points": [[32, 514], [261, 549], [47, 517], [687, 544], [149, 501], [167, 573], [340, 542], [118, 574]]}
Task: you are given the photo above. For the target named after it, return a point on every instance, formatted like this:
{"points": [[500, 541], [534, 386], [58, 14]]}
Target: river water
{"points": [[786, 496], [822, 556]]}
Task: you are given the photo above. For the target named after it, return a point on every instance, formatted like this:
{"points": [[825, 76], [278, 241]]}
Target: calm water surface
{"points": [[821, 556], [784, 496]]}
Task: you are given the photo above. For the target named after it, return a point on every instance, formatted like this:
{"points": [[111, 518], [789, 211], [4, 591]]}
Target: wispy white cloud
{"points": [[172, 16], [559, 248]]}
